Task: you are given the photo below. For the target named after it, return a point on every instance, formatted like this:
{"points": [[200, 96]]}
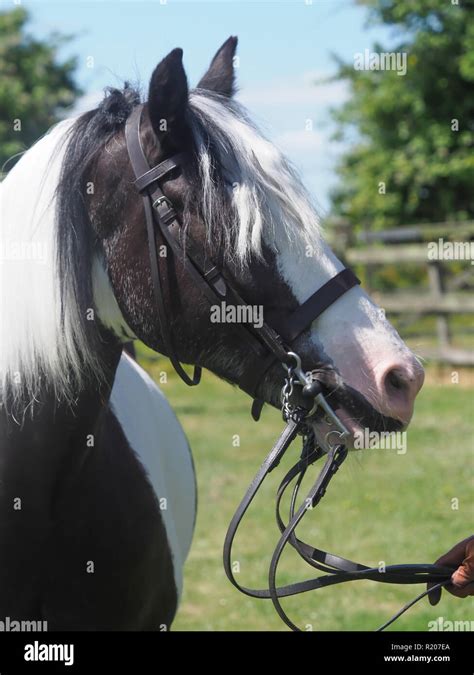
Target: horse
{"points": [[97, 485]]}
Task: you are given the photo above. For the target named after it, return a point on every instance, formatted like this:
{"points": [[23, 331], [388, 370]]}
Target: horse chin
{"points": [[361, 430]]}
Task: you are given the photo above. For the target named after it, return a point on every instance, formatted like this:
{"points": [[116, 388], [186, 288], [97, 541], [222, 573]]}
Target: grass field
{"points": [[382, 506]]}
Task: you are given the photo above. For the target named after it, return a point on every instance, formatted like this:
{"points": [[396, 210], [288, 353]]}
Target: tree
{"points": [[35, 87], [413, 158]]}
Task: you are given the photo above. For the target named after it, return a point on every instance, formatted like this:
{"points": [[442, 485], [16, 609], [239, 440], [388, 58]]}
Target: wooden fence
{"points": [[445, 296]]}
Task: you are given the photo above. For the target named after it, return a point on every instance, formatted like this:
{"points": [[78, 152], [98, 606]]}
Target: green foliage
{"points": [[403, 124], [35, 87]]}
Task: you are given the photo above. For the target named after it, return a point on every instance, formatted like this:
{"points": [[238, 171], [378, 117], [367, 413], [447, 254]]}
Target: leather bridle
{"points": [[268, 344]]}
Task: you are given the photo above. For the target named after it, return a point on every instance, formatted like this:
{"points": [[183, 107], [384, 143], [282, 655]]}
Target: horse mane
{"points": [[268, 199], [76, 242], [46, 339]]}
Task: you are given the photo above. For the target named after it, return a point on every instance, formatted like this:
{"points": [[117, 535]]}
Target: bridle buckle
{"points": [[162, 199]]}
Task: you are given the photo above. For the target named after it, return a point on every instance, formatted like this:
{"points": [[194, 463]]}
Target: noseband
{"points": [[268, 344]]}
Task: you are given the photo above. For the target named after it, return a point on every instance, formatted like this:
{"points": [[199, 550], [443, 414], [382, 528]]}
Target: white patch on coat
{"points": [[353, 331], [107, 307], [156, 436]]}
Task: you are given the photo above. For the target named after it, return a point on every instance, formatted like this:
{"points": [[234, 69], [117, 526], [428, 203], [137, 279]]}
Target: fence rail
{"points": [[426, 303], [409, 245]]}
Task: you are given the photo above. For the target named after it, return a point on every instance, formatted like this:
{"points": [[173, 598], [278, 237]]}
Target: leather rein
{"points": [[267, 345]]}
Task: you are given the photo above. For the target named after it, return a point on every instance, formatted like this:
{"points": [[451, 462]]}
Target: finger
{"points": [[465, 572], [461, 592], [461, 554], [463, 576], [456, 555]]}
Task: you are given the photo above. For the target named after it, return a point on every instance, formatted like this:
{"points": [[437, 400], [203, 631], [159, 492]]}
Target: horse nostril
{"points": [[395, 380], [401, 386]]}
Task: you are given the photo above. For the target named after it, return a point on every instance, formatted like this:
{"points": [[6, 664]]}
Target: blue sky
{"points": [[284, 48]]}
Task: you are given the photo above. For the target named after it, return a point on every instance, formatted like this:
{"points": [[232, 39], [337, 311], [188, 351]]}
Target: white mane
{"points": [[270, 202], [30, 339], [36, 345]]}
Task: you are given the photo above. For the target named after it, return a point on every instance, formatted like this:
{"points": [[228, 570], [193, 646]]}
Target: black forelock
{"points": [[75, 237], [116, 106]]}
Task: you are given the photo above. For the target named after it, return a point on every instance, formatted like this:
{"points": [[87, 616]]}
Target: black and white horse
{"points": [[97, 491]]}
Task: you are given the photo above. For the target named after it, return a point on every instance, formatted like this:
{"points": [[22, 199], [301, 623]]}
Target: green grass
{"points": [[381, 506]]}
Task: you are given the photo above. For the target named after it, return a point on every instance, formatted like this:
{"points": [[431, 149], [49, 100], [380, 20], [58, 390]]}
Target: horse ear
{"points": [[220, 77], [168, 94]]}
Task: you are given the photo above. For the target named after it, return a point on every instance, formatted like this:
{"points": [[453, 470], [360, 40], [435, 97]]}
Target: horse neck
{"points": [[36, 450]]}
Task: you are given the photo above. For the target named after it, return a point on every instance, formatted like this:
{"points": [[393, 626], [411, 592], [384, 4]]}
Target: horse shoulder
{"points": [[159, 442]]}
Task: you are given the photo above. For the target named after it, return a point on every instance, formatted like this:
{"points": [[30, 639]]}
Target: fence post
{"points": [[437, 285]]}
